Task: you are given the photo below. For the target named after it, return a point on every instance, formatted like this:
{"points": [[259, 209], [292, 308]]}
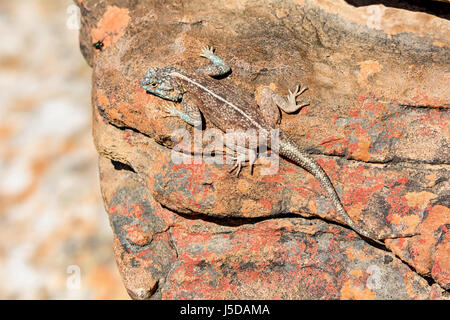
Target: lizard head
{"points": [[158, 81]]}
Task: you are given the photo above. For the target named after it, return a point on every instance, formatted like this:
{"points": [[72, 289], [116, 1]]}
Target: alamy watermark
{"points": [[73, 22], [73, 281], [374, 280], [375, 15]]}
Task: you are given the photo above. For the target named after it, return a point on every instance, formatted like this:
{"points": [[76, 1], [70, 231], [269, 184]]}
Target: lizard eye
{"points": [[154, 84]]}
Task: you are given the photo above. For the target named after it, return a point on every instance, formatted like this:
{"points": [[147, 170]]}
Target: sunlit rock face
{"points": [[377, 122]]}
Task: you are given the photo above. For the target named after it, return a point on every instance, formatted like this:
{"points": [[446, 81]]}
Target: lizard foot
{"points": [[292, 98], [242, 158], [207, 52], [171, 111], [237, 165]]}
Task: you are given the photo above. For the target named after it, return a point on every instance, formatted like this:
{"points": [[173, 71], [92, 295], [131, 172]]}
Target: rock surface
{"points": [[377, 122]]}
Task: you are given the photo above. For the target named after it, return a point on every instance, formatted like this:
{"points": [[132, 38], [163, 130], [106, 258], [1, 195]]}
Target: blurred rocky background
{"points": [[55, 239]]}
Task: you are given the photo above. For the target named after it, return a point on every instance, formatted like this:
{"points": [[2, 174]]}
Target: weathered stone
{"points": [[377, 123], [281, 258]]}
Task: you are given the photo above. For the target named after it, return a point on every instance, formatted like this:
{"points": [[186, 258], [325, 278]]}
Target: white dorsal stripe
{"points": [[179, 75]]}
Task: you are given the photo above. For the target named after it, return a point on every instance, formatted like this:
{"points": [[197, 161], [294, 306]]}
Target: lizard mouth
{"points": [[143, 82]]}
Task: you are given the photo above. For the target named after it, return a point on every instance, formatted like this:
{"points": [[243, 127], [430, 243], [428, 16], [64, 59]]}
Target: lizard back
{"points": [[224, 105]]}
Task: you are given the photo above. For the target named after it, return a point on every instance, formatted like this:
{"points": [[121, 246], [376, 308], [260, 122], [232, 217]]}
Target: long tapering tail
{"points": [[290, 150]]}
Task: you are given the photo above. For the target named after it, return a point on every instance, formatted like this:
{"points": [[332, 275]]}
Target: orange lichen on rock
{"points": [[362, 151], [367, 69], [419, 199], [354, 290], [111, 27]]}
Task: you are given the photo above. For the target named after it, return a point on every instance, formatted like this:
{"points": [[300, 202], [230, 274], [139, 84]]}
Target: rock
{"points": [[377, 123], [280, 258]]}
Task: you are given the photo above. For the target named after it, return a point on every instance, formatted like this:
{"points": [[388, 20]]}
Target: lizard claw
{"points": [[171, 111], [237, 165], [207, 52], [292, 97], [241, 159]]}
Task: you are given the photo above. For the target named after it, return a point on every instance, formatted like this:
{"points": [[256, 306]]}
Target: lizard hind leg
{"points": [[269, 108], [288, 104]]}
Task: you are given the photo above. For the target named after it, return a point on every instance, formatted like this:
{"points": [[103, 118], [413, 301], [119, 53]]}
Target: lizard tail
{"points": [[290, 150]]}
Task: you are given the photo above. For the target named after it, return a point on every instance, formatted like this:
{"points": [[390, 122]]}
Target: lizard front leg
{"points": [[191, 114], [218, 66], [270, 101]]}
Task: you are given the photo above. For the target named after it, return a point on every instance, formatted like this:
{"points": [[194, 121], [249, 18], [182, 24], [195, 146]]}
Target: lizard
{"points": [[229, 108]]}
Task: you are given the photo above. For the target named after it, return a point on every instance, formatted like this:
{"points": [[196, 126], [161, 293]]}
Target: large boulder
{"points": [[377, 122]]}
